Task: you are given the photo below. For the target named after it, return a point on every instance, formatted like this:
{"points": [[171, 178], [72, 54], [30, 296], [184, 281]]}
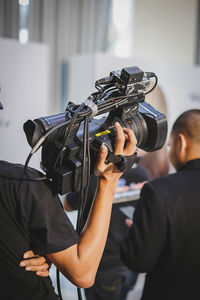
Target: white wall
{"points": [[178, 83], [81, 77], [24, 71], [165, 30]]}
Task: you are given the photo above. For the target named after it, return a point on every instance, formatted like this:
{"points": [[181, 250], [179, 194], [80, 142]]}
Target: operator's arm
{"points": [[79, 263], [145, 240]]}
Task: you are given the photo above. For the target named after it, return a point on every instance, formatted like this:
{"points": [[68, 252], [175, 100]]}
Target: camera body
{"points": [[122, 96]]}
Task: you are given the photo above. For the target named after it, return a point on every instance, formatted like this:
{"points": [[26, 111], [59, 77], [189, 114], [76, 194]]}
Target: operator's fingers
{"points": [[100, 164], [38, 268], [40, 260], [29, 254], [43, 273], [102, 156], [131, 142], [119, 145]]}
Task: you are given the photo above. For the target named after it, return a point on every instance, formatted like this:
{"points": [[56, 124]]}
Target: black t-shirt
{"points": [[31, 217], [118, 228], [164, 239]]}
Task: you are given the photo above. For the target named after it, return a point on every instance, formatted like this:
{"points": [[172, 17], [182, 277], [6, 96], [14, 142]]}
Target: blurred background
{"points": [[52, 51]]}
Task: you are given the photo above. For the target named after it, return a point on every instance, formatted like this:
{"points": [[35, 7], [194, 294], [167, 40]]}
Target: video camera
{"points": [[70, 141]]}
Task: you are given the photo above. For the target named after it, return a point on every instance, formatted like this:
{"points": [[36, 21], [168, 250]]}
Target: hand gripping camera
{"points": [[70, 141]]}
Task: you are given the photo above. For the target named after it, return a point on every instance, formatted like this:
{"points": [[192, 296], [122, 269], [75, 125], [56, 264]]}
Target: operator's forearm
{"points": [[79, 263], [94, 235]]}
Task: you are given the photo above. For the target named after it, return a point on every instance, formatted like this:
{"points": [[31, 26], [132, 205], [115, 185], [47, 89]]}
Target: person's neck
{"points": [[189, 155], [193, 154]]}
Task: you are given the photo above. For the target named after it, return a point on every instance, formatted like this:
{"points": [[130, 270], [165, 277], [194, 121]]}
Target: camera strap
{"points": [[89, 103], [123, 163]]}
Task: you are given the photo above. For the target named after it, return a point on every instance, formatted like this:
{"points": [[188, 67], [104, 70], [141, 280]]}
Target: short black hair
{"points": [[188, 123]]}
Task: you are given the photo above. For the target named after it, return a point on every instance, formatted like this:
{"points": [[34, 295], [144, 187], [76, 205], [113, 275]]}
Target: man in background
{"points": [[163, 240]]}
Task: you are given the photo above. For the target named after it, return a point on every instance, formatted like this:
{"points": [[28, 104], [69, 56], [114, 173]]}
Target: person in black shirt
{"points": [[27, 221], [39, 264], [163, 240], [31, 217]]}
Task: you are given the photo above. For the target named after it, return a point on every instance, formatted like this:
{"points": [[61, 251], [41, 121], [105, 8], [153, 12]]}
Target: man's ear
{"points": [[182, 146]]}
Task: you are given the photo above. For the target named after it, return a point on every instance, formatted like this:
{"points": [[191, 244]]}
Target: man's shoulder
{"points": [[15, 175], [163, 185], [8, 168], [171, 185], [181, 177], [165, 179]]}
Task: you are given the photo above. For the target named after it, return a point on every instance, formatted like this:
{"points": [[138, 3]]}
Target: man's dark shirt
{"points": [[31, 217], [118, 228], [164, 240]]}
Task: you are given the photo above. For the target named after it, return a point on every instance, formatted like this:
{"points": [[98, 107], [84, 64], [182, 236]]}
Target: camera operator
{"points": [[33, 218], [163, 240]]}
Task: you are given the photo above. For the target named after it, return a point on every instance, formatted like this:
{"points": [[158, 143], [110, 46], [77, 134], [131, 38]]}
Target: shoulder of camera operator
{"points": [[33, 199]]}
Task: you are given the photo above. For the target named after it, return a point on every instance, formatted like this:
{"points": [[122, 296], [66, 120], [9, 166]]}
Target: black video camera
{"points": [[70, 141]]}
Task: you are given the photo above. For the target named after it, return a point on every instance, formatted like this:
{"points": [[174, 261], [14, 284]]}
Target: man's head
{"points": [[185, 138]]}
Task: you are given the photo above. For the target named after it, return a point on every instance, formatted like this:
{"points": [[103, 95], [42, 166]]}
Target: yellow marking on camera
{"points": [[103, 133]]}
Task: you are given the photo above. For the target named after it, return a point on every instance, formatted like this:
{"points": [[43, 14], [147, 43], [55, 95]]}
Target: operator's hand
{"points": [[128, 222], [38, 264], [110, 171]]}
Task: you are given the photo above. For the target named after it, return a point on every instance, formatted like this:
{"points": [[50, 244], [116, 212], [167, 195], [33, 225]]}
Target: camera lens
{"points": [[139, 127]]}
